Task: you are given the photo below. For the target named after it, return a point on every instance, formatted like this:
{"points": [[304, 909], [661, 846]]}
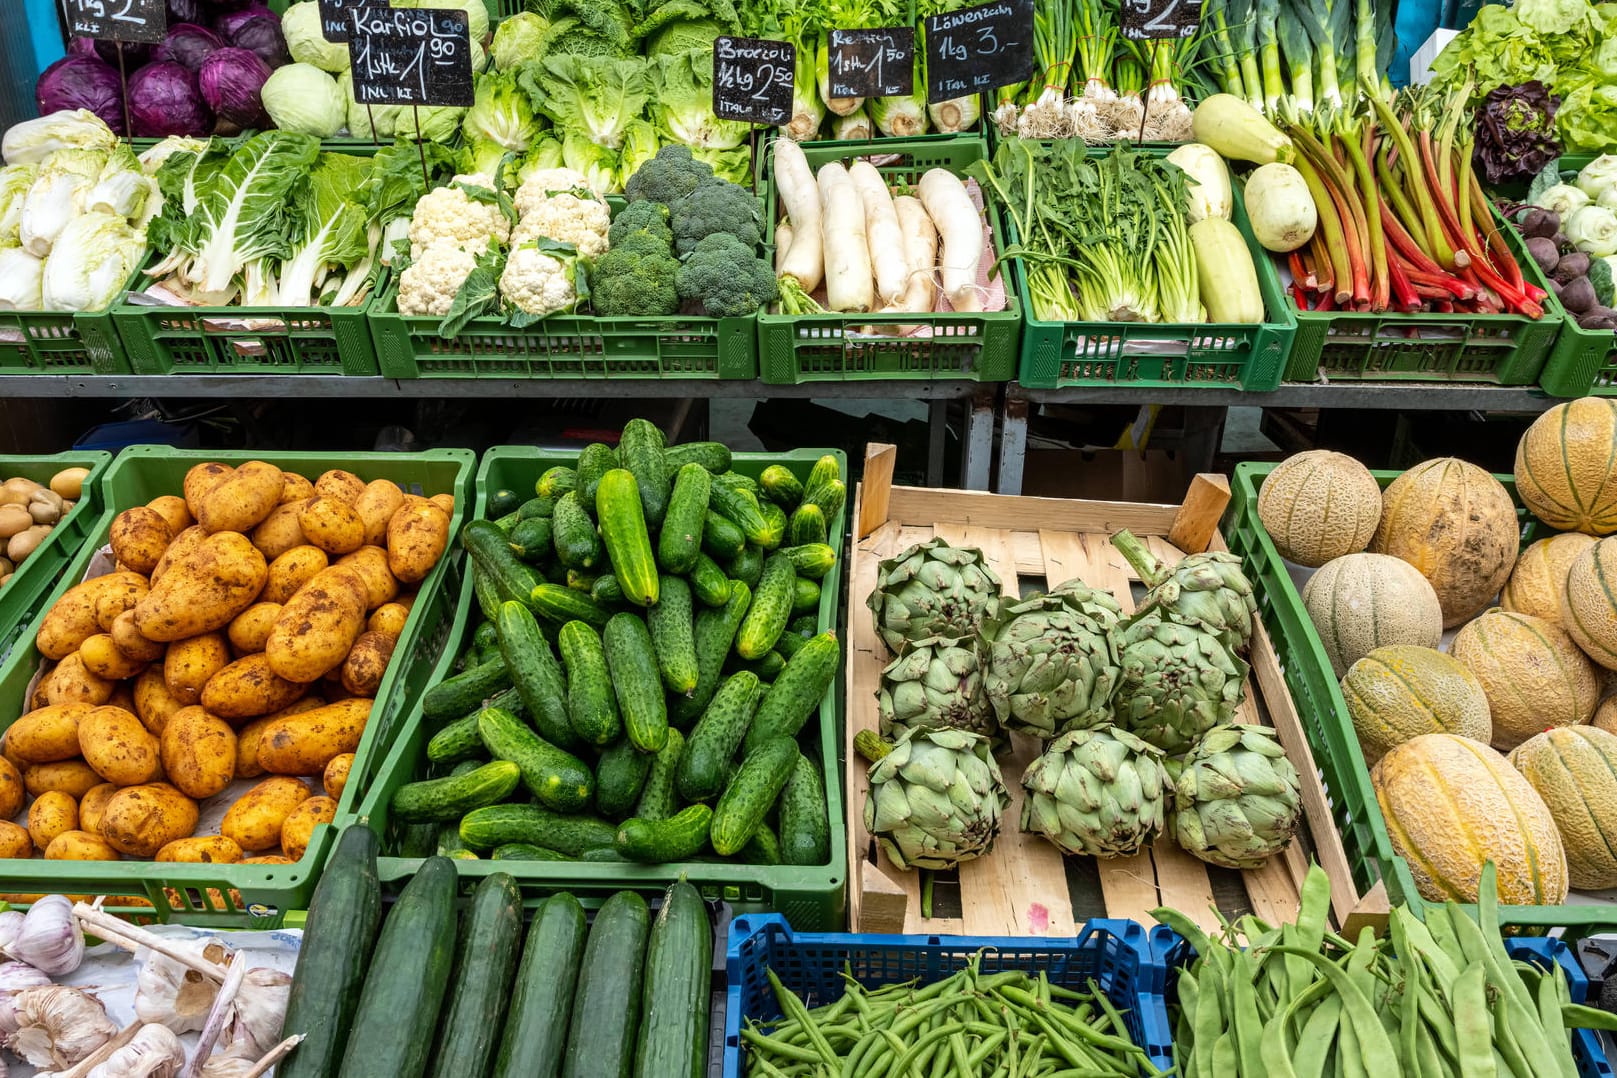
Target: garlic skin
{"points": [[221, 1067], [14, 977], [260, 1009], [173, 995], [58, 1027], [154, 1052], [50, 938], [10, 926]]}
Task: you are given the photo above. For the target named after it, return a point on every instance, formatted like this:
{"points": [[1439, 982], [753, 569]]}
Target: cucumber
{"points": [[681, 538], [449, 842], [556, 481], [767, 668], [797, 691], [451, 797], [623, 527], [748, 566], [487, 593], [335, 953], [717, 735], [640, 452], [721, 538], [582, 582], [527, 851], [792, 640], [668, 841], [673, 1040], [530, 540], [508, 522], [805, 825], [573, 533], [673, 635], [781, 486], [455, 696], [490, 934], [538, 508], [740, 507], [536, 675], [607, 591], [708, 582], [542, 1000], [496, 825], [714, 456], [715, 631], [409, 973], [805, 625], [775, 523], [805, 596], [828, 499], [750, 793], [457, 741], [503, 501], [561, 604], [631, 662], [736, 481], [417, 840], [620, 775], [483, 637], [591, 705], [812, 560], [770, 610], [560, 780], [466, 767], [606, 1005], [490, 551], [807, 525], [594, 461], [763, 848], [825, 470], [602, 854], [657, 794]]}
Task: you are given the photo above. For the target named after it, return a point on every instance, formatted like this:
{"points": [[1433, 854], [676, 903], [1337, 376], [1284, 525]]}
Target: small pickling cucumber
{"points": [[594, 461], [680, 540], [805, 826], [657, 800], [713, 741], [556, 481], [715, 633], [747, 566], [640, 451], [620, 510], [496, 825], [781, 486], [771, 608], [709, 584], [631, 662], [620, 777], [679, 837], [750, 793], [721, 538], [572, 533], [451, 797], [592, 706], [714, 456], [672, 623], [560, 780], [807, 525], [536, 675]]}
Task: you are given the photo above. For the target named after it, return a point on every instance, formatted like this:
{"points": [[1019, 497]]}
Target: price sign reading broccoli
{"points": [[410, 56], [1144, 20], [117, 20], [872, 63], [752, 80], [978, 48]]}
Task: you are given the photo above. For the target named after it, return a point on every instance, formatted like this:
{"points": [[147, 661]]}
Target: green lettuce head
{"points": [[518, 40], [502, 113], [682, 92], [304, 99], [306, 41]]}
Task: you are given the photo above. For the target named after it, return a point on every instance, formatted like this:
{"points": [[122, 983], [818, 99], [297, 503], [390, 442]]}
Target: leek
{"points": [[1274, 85], [1294, 42], [1244, 25]]}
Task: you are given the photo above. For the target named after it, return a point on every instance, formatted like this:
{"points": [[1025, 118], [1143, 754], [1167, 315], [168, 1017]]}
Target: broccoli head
{"points": [[672, 174], [643, 216], [635, 283], [726, 278], [645, 242], [715, 207]]}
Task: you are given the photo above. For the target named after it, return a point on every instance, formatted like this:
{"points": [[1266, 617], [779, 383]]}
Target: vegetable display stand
{"points": [[1023, 886], [21, 595], [60, 342], [222, 894], [1115, 954], [942, 346], [811, 895]]}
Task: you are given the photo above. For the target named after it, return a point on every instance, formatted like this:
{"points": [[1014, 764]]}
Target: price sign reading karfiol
{"points": [[978, 48], [1145, 20], [117, 20], [752, 80], [337, 20], [410, 56], [872, 63]]}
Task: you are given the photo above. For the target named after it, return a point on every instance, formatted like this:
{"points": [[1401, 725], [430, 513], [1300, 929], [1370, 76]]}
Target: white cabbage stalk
{"points": [[152, 159], [1598, 175], [1563, 198], [15, 180], [1593, 230], [57, 196], [92, 259], [31, 141]]}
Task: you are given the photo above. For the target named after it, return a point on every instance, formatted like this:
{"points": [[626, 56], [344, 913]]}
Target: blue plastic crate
{"points": [[1116, 954]]}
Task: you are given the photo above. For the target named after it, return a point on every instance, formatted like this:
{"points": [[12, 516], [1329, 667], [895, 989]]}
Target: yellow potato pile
{"points": [[28, 512], [243, 635]]}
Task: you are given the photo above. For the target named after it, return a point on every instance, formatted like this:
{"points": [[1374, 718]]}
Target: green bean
{"points": [[1276, 1053], [1224, 1058], [1549, 1013], [987, 1047], [1504, 1038], [1380, 1058], [1577, 1016], [1472, 1029], [1248, 1025], [1319, 1033], [1348, 1047], [1210, 1020], [1529, 1033], [789, 1051]]}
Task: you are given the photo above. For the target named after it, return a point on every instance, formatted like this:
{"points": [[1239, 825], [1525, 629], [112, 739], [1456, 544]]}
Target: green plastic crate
{"points": [[20, 596], [1584, 361], [811, 896], [239, 894], [62, 342], [976, 347], [1313, 685]]}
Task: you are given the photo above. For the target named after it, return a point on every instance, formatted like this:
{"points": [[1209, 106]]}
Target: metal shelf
{"points": [[249, 386], [1391, 396]]}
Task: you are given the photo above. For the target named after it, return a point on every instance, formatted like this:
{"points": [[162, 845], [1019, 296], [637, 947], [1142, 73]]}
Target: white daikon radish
{"points": [[920, 255], [848, 282], [783, 245], [794, 181], [882, 233], [961, 230]]}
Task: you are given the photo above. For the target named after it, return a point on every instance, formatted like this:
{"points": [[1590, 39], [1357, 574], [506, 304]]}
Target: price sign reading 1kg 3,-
{"points": [[752, 80], [978, 48], [410, 56], [117, 20], [1144, 20], [872, 63]]}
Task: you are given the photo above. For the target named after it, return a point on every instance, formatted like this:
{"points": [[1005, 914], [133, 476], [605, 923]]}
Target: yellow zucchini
{"points": [[1229, 280], [1239, 132]]}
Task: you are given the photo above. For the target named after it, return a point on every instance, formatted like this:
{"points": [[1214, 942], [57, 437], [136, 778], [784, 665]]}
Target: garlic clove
{"points": [[172, 993], [10, 926], [58, 1027], [50, 938]]}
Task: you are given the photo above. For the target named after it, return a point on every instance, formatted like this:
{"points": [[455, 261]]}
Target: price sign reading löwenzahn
{"points": [[410, 56], [872, 63], [117, 20], [752, 80], [1144, 20], [978, 48]]}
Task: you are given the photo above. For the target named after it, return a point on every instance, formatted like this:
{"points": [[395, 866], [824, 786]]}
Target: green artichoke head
{"points": [[1049, 664], [1207, 589], [935, 800], [932, 589], [1177, 682], [937, 683], [1101, 792], [1236, 800]]}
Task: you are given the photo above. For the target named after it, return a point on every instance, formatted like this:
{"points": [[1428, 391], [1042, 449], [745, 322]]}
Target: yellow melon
{"points": [[1574, 769], [1606, 715], [1537, 585], [1534, 675], [1397, 693], [1590, 614], [1566, 466], [1457, 525], [1361, 602], [1319, 505], [1453, 804]]}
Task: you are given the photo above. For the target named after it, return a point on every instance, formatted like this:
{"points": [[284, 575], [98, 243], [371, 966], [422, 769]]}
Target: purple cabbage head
{"points": [[82, 82], [186, 11], [164, 100], [256, 28], [231, 80], [188, 44]]}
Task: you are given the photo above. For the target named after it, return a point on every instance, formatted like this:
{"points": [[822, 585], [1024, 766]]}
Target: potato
{"points": [[153, 702], [140, 820], [299, 826], [201, 479], [295, 488], [46, 734], [376, 506], [241, 501], [127, 639], [118, 747], [139, 536], [79, 846], [303, 744], [331, 525], [72, 777], [276, 859], [335, 777], [247, 766], [190, 664], [173, 512], [254, 822], [69, 483], [202, 850], [112, 604], [366, 663], [24, 543], [199, 752], [123, 695], [280, 531], [51, 814], [346, 487], [101, 657], [318, 625], [14, 520], [371, 564], [184, 545], [291, 571], [388, 619], [14, 760], [249, 688], [252, 627], [446, 502], [15, 841], [72, 620], [93, 805], [417, 537], [11, 790], [205, 592], [71, 683], [17, 490]]}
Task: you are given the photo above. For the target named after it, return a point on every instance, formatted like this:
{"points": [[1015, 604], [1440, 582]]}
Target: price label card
{"points": [[872, 63], [1144, 20], [410, 56], [337, 18], [979, 48], [752, 80], [117, 20]]}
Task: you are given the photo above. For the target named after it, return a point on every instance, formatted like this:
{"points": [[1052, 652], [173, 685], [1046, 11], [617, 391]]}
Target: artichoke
{"points": [[935, 684], [1206, 589], [935, 797], [1177, 682], [932, 589], [1101, 792], [1048, 660], [1236, 799]]}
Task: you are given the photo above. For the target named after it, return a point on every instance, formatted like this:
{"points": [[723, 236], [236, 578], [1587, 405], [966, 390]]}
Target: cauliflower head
{"points": [[429, 285], [448, 213], [538, 283], [565, 218], [539, 184]]}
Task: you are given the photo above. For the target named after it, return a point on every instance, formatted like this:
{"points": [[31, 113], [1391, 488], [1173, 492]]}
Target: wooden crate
{"points": [[1021, 887]]}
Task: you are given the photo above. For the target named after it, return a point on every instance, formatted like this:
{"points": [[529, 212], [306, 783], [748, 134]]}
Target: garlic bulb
{"points": [[255, 1027], [154, 1052], [223, 1067], [10, 926], [50, 938], [173, 994], [58, 1027], [14, 977]]}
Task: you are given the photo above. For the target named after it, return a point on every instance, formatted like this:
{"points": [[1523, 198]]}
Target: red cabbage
{"points": [[82, 82], [188, 44], [164, 100], [231, 80], [186, 11], [259, 29]]}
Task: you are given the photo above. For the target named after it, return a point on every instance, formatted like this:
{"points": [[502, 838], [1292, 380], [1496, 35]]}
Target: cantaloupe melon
{"points": [[1361, 602], [1606, 715], [1574, 769], [1534, 675], [1590, 614], [1319, 505], [1537, 585], [1457, 525], [1566, 466], [1400, 692], [1451, 805]]}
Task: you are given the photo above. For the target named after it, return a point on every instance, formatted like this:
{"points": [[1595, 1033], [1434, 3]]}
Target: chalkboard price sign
{"points": [[1144, 20], [752, 80], [337, 18], [410, 56], [117, 20], [872, 63], [979, 48]]}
